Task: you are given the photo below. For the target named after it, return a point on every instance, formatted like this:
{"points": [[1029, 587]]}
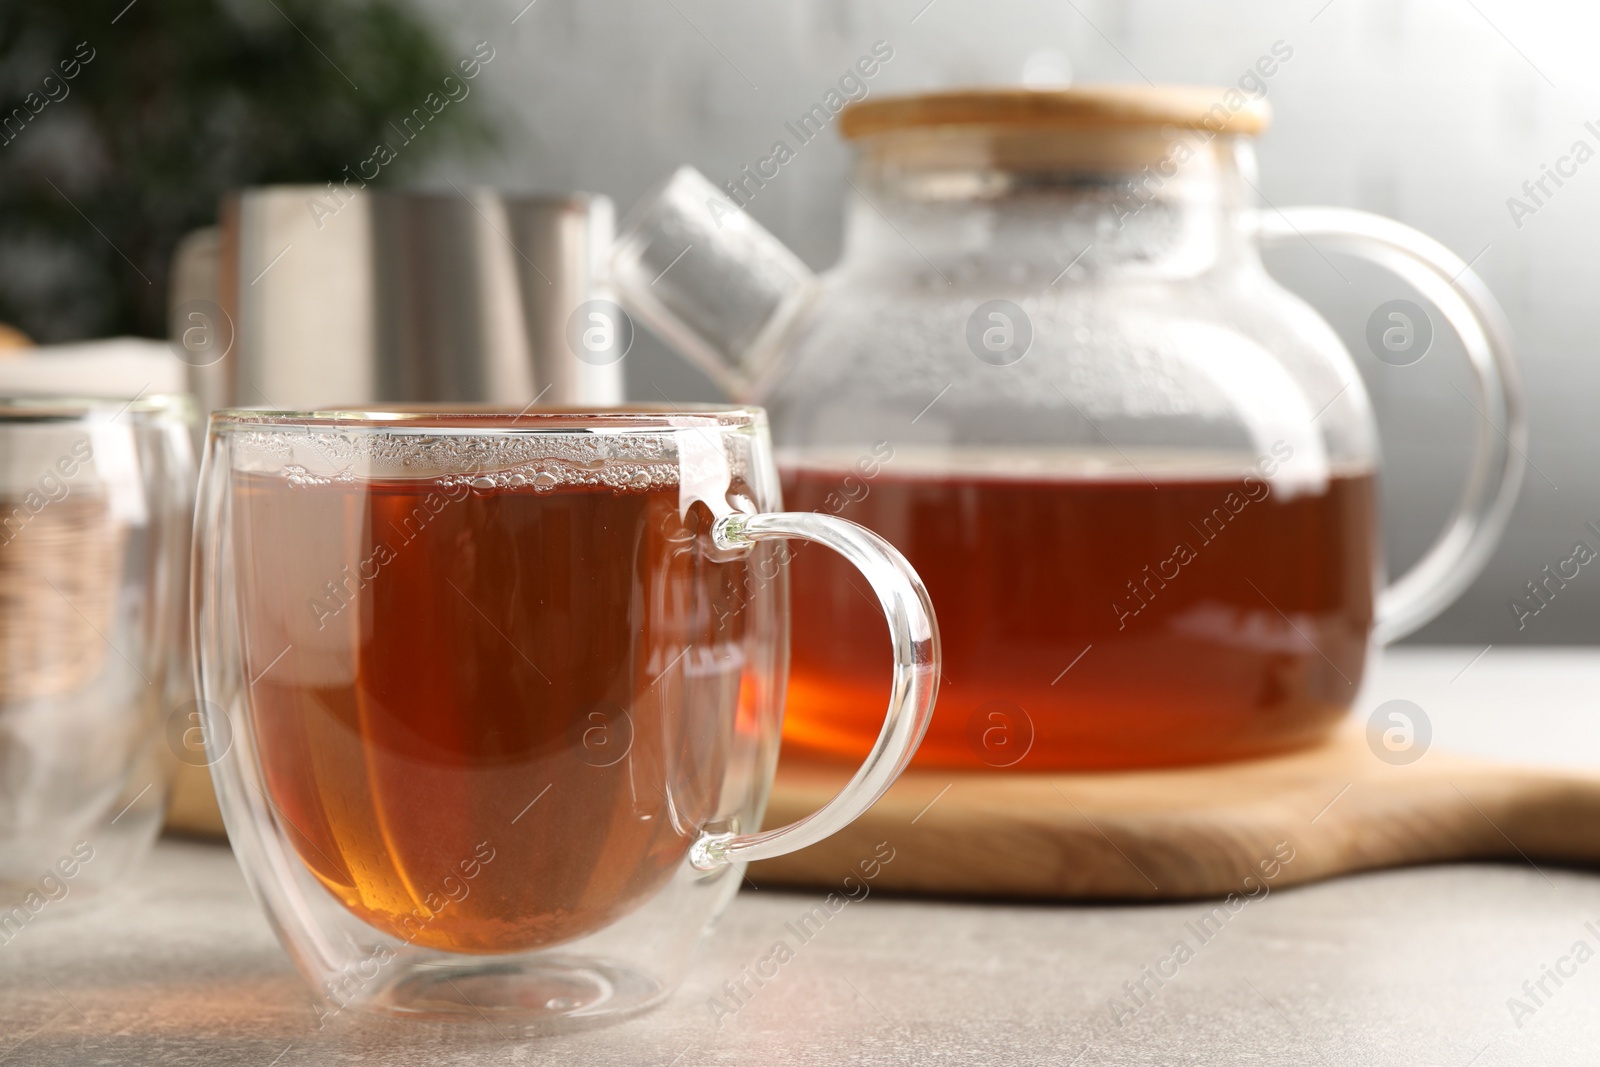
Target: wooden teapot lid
{"points": [[1086, 107]]}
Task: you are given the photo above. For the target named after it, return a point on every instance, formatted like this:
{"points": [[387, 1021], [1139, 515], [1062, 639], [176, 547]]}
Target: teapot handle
{"points": [[1495, 474]]}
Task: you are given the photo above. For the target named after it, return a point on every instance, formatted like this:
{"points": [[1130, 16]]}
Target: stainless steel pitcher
{"points": [[310, 296]]}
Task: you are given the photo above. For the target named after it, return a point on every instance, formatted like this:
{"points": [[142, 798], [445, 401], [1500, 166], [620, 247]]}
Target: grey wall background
{"points": [[1431, 111]]}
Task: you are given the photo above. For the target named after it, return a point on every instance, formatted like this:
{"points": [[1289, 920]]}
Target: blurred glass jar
{"points": [[96, 502], [1137, 476]]}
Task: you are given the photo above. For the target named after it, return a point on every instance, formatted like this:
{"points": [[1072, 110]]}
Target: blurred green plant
{"points": [[136, 117]]}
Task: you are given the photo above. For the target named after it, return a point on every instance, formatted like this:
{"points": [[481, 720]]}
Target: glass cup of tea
{"points": [[493, 699], [95, 504]]}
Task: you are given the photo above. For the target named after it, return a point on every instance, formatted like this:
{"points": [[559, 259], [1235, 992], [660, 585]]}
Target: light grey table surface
{"points": [[1401, 967]]}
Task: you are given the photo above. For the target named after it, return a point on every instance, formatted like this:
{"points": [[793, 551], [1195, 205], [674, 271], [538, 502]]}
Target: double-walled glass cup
{"points": [[95, 502], [495, 698]]}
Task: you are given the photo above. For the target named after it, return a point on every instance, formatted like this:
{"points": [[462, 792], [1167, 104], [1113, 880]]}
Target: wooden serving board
{"points": [[1167, 834], [1193, 832]]}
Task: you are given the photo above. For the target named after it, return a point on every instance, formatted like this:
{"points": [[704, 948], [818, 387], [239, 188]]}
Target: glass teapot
{"points": [[1136, 475]]}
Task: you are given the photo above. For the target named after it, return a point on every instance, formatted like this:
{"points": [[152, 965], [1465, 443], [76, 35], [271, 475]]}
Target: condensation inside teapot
{"points": [[1137, 476]]}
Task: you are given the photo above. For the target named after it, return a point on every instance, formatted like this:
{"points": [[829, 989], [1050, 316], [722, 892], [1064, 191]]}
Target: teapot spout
{"points": [[699, 271]]}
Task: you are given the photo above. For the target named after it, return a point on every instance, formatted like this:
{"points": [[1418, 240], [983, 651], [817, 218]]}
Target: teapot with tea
{"points": [[1137, 475]]}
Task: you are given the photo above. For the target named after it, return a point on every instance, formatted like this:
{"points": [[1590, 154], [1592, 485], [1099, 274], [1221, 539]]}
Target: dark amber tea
{"points": [[1092, 619], [492, 714]]}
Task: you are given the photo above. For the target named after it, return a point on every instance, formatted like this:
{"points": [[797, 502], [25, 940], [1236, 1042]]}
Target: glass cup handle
{"points": [[1495, 475], [914, 635]]}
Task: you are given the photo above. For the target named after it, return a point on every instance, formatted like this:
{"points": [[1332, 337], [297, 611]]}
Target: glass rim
{"points": [[493, 419], [29, 408]]}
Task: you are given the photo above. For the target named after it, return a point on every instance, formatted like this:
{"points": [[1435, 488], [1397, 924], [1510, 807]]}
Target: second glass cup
{"points": [[95, 499], [495, 698]]}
